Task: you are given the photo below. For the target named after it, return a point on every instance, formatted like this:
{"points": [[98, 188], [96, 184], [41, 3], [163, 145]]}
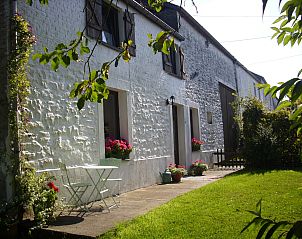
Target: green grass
{"points": [[218, 209]]}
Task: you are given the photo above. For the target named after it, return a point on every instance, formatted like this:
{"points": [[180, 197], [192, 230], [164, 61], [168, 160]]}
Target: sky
{"points": [[239, 26]]}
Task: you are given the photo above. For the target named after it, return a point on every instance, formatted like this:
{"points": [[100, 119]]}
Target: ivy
{"points": [[31, 191]]}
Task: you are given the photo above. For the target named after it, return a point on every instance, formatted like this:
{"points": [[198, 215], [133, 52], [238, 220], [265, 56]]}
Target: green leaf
{"points": [[61, 46], [29, 2], [36, 56], [93, 75], [81, 102], [286, 6], [261, 86], [84, 49], [286, 39], [65, 61], [55, 63], [94, 96], [44, 59], [299, 73], [280, 37], [296, 113], [285, 87], [166, 48], [284, 23], [74, 56], [290, 11], [284, 104], [279, 19], [297, 91]]}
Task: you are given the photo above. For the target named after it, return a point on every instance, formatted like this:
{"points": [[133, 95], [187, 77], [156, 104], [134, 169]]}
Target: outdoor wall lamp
{"points": [[171, 100]]}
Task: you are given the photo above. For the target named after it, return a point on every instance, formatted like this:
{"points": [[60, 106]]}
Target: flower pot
{"points": [[176, 178]]}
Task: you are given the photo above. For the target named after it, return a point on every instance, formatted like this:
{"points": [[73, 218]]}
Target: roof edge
{"points": [[202, 30]]}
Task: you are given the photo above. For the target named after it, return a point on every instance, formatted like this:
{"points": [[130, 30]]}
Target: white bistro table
{"points": [[99, 183]]}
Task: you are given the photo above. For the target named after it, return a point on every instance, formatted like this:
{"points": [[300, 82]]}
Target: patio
{"points": [[132, 204]]}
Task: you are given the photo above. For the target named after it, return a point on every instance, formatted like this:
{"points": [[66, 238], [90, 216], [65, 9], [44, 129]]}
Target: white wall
{"points": [[61, 133]]}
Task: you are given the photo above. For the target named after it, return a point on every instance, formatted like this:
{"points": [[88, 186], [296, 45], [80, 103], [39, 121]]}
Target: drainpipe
{"points": [[236, 77]]}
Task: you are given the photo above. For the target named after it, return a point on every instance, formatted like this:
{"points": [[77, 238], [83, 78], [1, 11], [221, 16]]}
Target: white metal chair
{"points": [[76, 186]]}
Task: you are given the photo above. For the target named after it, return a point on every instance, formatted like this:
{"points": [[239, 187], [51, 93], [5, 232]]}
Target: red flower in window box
{"points": [[117, 148], [196, 144]]}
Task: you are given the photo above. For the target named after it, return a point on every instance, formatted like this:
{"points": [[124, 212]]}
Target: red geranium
{"points": [[117, 148], [51, 185]]}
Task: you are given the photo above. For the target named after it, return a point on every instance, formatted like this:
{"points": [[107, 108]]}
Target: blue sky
{"points": [[238, 25]]}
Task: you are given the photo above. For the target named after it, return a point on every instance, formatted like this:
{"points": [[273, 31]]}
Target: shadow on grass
{"points": [[253, 171]]}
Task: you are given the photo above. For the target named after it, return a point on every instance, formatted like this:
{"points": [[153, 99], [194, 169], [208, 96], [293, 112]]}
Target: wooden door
{"points": [[175, 134], [229, 125]]}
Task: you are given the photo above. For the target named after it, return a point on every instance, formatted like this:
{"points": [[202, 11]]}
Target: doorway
{"points": [[175, 134], [229, 125]]}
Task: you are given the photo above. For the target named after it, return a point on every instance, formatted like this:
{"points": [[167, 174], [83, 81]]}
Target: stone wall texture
{"points": [[59, 132], [206, 66]]}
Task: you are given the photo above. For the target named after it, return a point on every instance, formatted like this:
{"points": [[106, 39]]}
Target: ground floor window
{"points": [[111, 116]]}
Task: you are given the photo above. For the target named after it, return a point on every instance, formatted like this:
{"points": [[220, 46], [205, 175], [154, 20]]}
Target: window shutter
{"points": [[182, 63], [177, 61], [167, 63], [130, 30], [94, 18]]}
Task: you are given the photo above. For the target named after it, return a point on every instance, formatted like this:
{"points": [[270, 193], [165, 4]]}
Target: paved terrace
{"points": [[132, 204]]}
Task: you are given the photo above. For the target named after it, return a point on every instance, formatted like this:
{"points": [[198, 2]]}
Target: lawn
{"points": [[218, 209]]}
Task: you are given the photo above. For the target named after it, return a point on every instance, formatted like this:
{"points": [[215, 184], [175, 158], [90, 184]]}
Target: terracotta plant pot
{"points": [[176, 178]]}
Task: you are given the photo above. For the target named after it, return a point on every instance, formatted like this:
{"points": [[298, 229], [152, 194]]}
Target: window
{"points": [[109, 25], [174, 62], [111, 116], [194, 122]]}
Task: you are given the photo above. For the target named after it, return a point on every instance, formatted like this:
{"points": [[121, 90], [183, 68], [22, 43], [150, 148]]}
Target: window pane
{"points": [[111, 116], [110, 30]]}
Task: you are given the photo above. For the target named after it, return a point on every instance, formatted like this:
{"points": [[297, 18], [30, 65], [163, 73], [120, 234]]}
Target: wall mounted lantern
{"points": [[171, 100]]}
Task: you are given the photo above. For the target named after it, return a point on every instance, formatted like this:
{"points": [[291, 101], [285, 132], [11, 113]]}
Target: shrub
{"points": [[267, 138]]}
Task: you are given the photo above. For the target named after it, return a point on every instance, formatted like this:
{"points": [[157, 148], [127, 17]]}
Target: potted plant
{"points": [[117, 148], [196, 144], [177, 172], [197, 168]]}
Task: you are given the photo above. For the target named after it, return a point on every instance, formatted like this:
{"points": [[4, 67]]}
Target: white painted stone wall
{"points": [[60, 132], [247, 84], [206, 66]]}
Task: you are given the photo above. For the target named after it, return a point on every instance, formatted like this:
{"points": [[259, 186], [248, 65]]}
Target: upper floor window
{"points": [[174, 62], [109, 25]]}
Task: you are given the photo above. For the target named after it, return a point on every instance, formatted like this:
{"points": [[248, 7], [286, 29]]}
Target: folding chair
{"points": [[76, 187]]}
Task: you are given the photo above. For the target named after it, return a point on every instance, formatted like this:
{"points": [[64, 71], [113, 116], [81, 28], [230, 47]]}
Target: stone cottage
{"points": [[197, 78], [137, 108], [213, 76]]}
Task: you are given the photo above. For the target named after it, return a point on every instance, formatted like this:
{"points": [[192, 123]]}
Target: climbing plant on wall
{"points": [[30, 190]]}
